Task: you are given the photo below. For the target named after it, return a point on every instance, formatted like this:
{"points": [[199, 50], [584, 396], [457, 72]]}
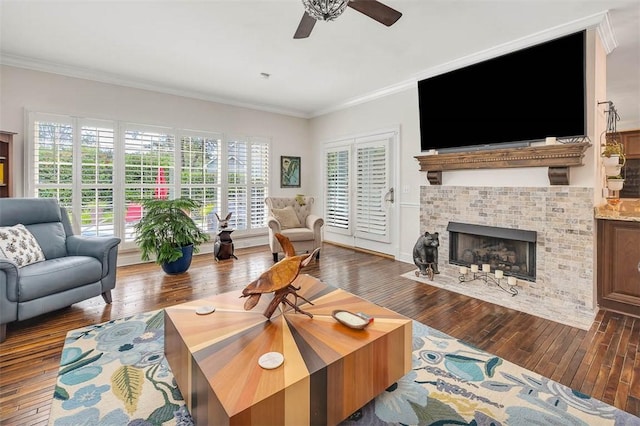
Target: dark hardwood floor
{"points": [[603, 362]]}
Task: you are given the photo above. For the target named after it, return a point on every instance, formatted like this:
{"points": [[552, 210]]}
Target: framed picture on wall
{"points": [[289, 172]]}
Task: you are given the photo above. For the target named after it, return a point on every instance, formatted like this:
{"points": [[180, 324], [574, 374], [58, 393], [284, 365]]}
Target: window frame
{"points": [[117, 186]]}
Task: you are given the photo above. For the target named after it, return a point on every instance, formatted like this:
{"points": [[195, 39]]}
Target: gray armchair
{"points": [[293, 219], [74, 268]]}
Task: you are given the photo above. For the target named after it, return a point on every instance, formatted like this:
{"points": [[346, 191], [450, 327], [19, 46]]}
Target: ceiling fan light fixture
{"points": [[325, 10]]}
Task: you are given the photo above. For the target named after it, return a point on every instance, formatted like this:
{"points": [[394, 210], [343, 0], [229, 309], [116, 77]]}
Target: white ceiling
{"points": [[216, 50]]}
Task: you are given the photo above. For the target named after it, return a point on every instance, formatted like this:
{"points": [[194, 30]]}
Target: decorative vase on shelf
{"points": [[615, 184]]}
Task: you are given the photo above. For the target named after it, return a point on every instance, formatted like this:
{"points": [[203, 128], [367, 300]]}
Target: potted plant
{"points": [[167, 231], [615, 183], [612, 153]]}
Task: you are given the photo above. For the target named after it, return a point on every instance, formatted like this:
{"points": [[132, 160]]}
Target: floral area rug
{"points": [[115, 373], [453, 383]]}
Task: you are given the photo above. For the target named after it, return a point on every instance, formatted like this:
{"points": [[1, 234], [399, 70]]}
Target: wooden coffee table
{"points": [[329, 371]]}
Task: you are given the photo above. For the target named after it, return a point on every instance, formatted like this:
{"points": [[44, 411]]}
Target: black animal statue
{"points": [[425, 254], [223, 244]]}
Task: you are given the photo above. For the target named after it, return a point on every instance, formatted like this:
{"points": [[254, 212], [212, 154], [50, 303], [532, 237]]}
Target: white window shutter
{"points": [[200, 176], [100, 169], [337, 189], [259, 183], [371, 186], [97, 204]]}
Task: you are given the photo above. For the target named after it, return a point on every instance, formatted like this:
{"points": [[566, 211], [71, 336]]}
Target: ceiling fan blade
{"points": [[376, 10], [305, 26]]}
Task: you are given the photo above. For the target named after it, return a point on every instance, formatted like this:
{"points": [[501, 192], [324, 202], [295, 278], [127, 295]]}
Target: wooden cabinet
{"points": [[631, 170], [619, 266], [631, 173], [6, 183], [631, 142]]}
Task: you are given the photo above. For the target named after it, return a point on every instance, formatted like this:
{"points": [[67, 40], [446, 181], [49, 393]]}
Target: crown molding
{"points": [[607, 36], [109, 78], [600, 21], [376, 94]]}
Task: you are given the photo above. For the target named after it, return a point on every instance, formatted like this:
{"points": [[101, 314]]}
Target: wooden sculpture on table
{"points": [[278, 279]]}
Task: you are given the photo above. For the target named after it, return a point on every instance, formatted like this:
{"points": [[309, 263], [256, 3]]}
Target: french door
{"points": [[360, 192]]}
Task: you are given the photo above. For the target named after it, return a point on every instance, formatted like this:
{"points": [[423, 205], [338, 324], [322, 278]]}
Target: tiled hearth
{"points": [[563, 219]]}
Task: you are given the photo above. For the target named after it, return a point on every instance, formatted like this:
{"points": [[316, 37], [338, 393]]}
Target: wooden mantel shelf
{"points": [[559, 158]]}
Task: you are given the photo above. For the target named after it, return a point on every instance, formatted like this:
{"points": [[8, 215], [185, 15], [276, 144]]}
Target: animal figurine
{"points": [[223, 223], [425, 254], [223, 245], [278, 278]]}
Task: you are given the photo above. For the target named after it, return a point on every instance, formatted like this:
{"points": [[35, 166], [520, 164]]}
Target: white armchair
{"points": [[294, 220]]}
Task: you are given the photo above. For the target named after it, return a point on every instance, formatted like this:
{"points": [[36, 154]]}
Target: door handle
{"points": [[389, 196]]}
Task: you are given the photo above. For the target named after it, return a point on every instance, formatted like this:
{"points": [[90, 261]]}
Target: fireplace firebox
{"points": [[512, 251]]}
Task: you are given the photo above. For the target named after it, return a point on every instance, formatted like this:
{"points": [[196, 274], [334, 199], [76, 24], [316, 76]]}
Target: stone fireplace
{"points": [[561, 283], [512, 251]]}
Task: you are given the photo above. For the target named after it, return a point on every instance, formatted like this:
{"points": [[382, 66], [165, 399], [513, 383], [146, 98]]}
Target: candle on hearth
{"points": [[486, 267], [499, 273], [463, 270], [511, 280], [474, 268]]}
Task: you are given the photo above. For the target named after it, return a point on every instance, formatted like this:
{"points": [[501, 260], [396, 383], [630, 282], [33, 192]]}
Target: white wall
{"points": [[22, 89], [397, 110]]}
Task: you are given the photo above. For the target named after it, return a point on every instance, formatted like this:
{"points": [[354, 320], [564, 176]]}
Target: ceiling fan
{"points": [[328, 10]]}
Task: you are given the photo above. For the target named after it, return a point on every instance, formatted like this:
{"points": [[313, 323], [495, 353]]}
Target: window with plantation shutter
{"points": [[83, 186], [201, 176], [101, 169], [96, 207], [259, 184], [371, 187], [149, 166], [51, 157], [247, 182], [237, 171], [337, 189]]}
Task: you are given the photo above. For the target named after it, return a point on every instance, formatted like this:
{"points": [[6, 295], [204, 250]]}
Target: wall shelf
{"points": [[559, 158]]}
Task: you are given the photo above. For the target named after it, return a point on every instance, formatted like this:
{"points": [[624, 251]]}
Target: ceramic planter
{"points": [[181, 265], [614, 160], [615, 184], [612, 170]]}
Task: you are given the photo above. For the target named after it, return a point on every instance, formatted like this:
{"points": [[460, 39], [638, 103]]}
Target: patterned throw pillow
{"points": [[287, 217], [19, 245]]}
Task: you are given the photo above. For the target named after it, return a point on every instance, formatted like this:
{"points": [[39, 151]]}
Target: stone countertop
{"points": [[627, 209]]}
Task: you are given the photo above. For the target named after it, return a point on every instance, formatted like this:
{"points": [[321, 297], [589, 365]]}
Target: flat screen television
{"points": [[516, 98]]}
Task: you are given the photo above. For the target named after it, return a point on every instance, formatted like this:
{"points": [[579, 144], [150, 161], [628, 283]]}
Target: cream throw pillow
{"points": [[287, 217], [19, 245]]}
